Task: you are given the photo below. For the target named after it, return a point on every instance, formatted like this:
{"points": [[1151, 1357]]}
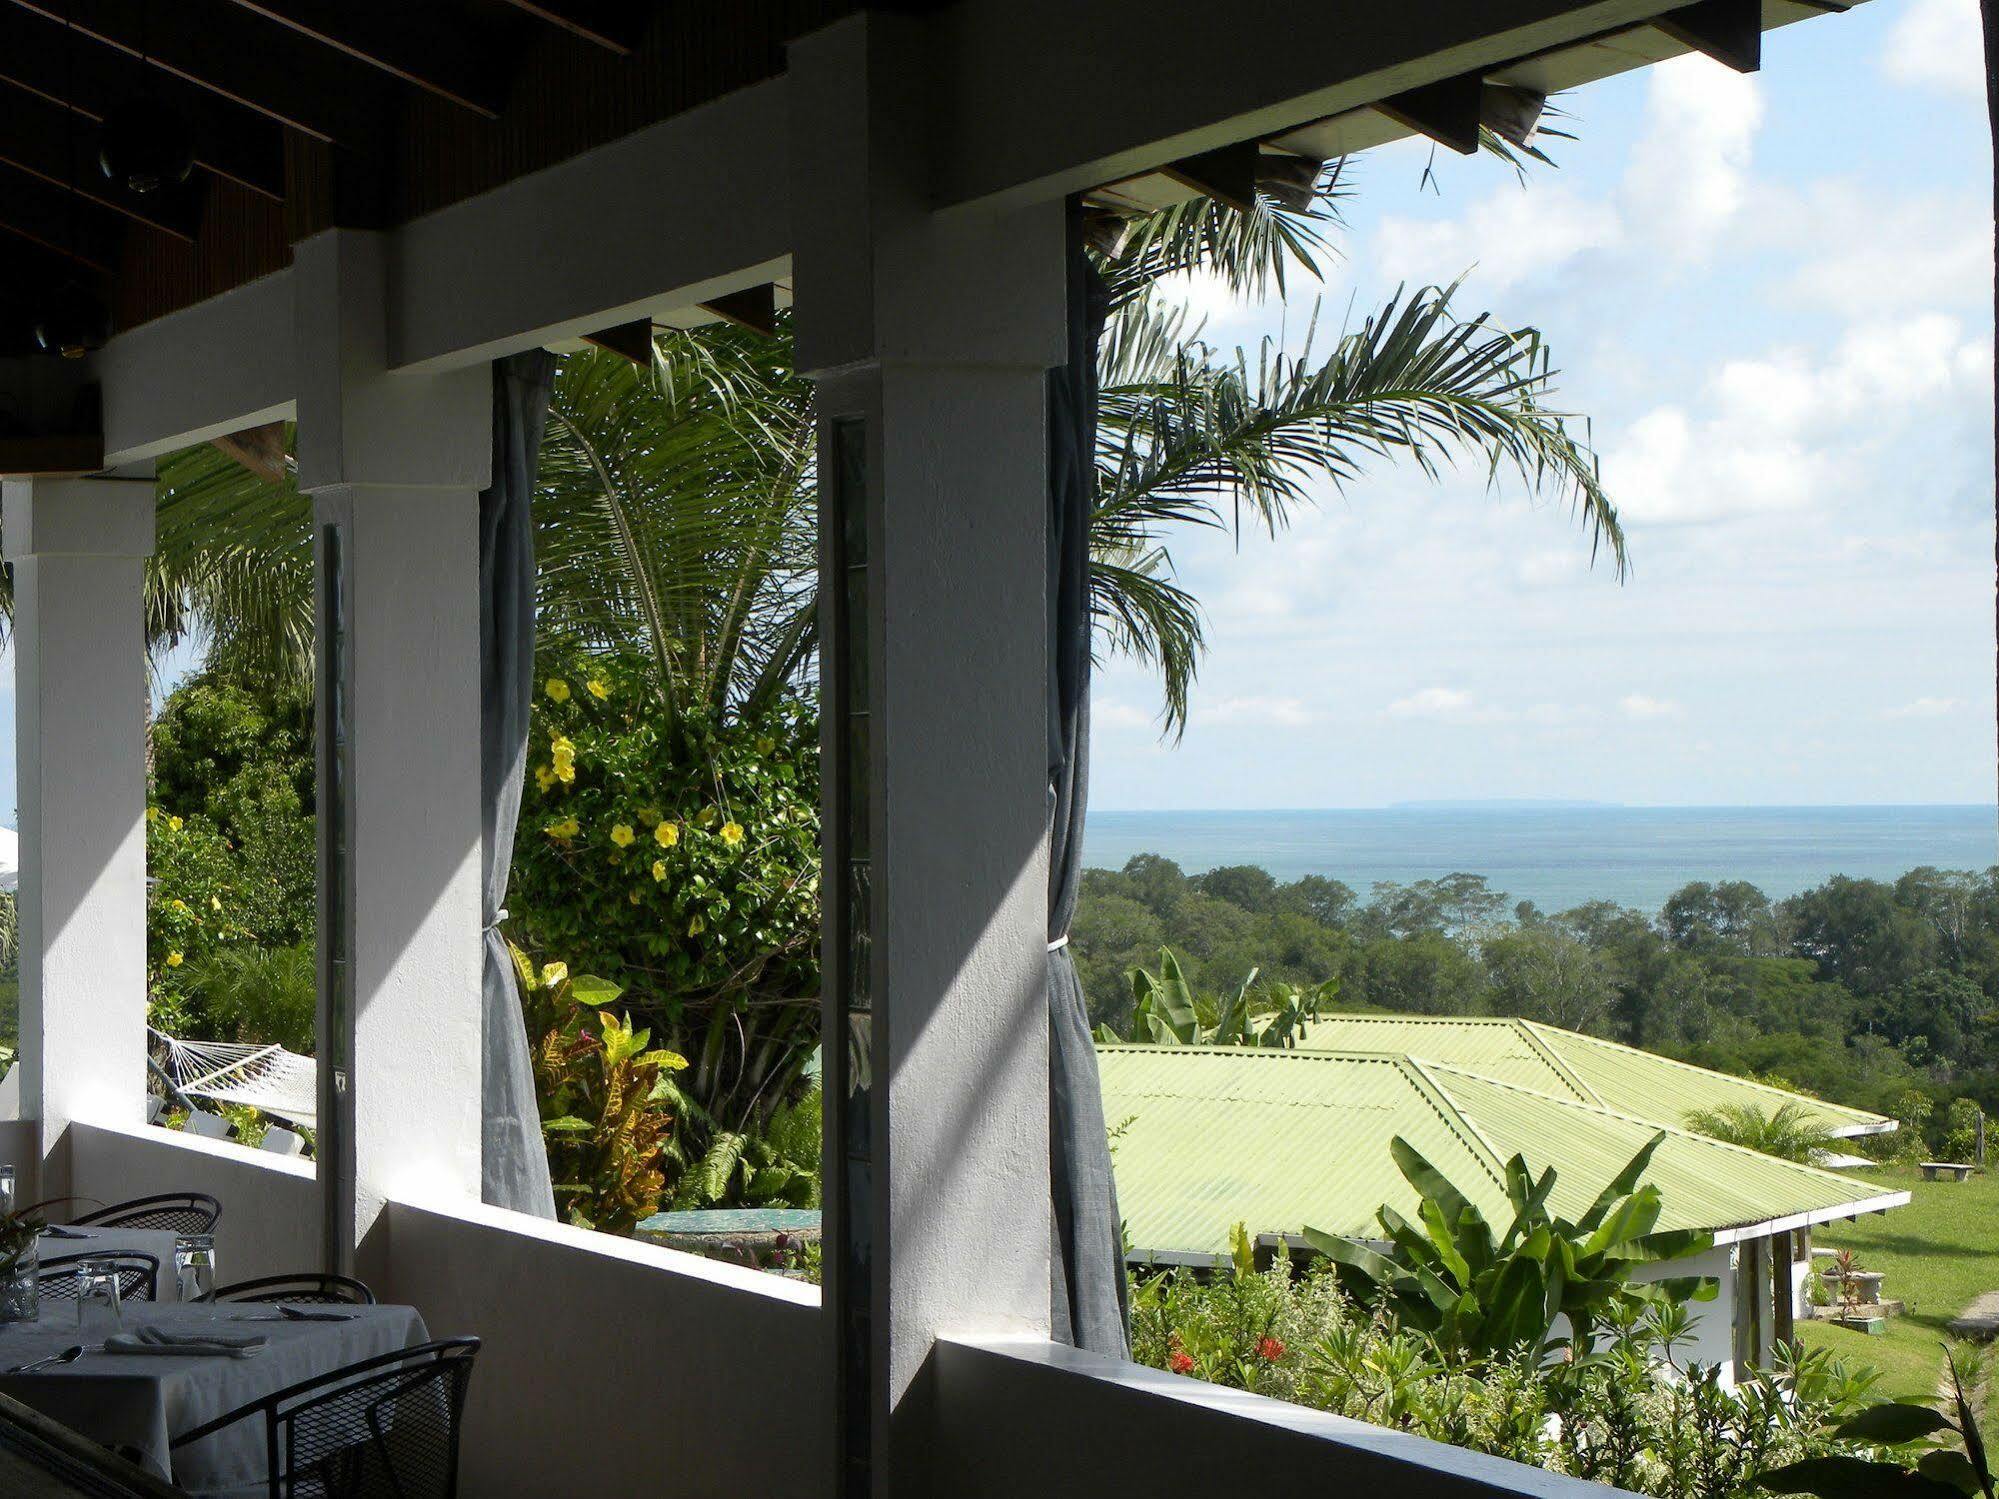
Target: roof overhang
{"points": [[1834, 1214]]}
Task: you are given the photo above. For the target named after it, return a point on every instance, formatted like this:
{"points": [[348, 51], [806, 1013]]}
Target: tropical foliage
{"points": [[1482, 1296], [1165, 1011], [1906, 1449], [1789, 1131], [1631, 1413], [603, 1096]]}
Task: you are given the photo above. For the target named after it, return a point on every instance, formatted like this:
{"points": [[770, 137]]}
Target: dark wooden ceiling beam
{"points": [[1447, 111], [617, 25], [1729, 31], [59, 222], [228, 141], [246, 61], [47, 141], [410, 42]]}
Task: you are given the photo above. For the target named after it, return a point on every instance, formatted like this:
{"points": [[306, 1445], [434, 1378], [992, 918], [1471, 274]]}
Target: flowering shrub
{"points": [[191, 911], [679, 859], [1622, 1415]]}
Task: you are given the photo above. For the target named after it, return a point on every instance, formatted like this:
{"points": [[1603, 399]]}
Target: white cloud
{"points": [[1926, 707], [1432, 702], [1781, 432], [1936, 45], [1858, 258], [1639, 706], [1508, 237], [1689, 171], [1268, 712]]}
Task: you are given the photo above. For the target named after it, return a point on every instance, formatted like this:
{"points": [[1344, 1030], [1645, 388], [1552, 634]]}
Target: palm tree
{"points": [[677, 502], [1790, 1131]]}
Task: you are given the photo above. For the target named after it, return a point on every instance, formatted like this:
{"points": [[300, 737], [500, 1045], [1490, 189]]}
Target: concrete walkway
{"points": [[1980, 1320]]}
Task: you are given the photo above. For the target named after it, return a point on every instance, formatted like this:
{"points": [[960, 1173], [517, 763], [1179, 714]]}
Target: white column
{"points": [[930, 339], [394, 464], [78, 548]]}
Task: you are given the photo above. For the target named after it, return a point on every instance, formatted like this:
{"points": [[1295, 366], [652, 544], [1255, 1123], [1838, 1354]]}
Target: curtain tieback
{"points": [[1059, 943], [498, 917]]}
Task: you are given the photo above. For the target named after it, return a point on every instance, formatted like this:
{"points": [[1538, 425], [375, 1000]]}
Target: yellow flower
{"points": [[621, 834], [179, 905], [152, 814], [696, 927], [174, 959], [732, 834], [174, 823], [557, 690], [766, 744], [544, 777], [597, 688], [659, 869], [666, 834], [565, 829], [214, 902], [565, 772], [634, 897], [553, 974]]}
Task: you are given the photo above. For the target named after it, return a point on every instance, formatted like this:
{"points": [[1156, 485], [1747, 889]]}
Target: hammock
{"points": [[263, 1077]]}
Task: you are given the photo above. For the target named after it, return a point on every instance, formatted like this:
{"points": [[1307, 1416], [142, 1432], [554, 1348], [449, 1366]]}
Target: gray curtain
{"points": [[515, 1166], [1088, 1307]]}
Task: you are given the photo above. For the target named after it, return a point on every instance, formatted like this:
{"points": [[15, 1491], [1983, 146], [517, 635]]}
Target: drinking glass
{"points": [[6, 1189], [194, 1265], [97, 1303]]}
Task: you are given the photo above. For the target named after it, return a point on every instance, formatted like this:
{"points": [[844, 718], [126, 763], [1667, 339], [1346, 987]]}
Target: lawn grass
{"points": [[1937, 1253]]}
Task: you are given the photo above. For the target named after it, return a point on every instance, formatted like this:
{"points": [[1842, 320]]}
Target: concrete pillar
{"points": [[78, 548], [929, 339], [394, 464]]}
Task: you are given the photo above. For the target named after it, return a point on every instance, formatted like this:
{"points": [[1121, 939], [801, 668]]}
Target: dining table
{"points": [[138, 1402]]}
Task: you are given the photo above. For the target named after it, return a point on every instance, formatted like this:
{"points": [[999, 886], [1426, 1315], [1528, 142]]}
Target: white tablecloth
{"points": [[143, 1401], [158, 1242]]}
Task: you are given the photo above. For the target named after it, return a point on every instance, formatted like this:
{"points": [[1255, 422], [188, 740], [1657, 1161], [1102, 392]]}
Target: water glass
{"points": [[97, 1301], [194, 1266], [6, 1189]]}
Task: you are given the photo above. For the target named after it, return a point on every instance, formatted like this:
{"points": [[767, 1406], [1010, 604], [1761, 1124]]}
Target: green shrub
{"points": [[259, 994]]}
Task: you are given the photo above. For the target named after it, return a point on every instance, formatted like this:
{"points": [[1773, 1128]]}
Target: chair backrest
{"points": [[138, 1276], [330, 1290], [209, 1126], [175, 1212], [281, 1141], [385, 1428]]}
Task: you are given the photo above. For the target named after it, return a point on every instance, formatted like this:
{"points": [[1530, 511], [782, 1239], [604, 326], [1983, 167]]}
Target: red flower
{"points": [[1270, 1350], [1180, 1362]]}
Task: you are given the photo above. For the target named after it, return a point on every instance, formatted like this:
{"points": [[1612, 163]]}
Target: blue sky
{"points": [[1772, 297]]}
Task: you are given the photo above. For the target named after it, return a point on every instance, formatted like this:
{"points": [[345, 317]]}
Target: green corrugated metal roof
{"points": [[1567, 1064], [1206, 1137]]}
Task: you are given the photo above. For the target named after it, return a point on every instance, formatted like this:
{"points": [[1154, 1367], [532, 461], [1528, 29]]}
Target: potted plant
{"points": [[20, 1260], [1859, 1294]]}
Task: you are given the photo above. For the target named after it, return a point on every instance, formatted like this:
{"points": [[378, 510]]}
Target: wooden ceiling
{"points": [[306, 114]]}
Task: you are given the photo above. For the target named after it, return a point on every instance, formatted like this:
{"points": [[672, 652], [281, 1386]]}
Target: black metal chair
{"points": [[176, 1212], [138, 1275], [330, 1290], [385, 1428]]}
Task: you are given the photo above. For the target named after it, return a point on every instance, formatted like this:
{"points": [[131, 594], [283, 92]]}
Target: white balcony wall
{"points": [[612, 1367]]}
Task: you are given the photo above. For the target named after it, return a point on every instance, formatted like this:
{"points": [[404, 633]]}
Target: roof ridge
{"points": [[1748, 1082], [1653, 1124], [1532, 1033]]}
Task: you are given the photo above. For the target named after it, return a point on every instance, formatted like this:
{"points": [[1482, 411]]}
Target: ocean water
{"points": [[1561, 856]]}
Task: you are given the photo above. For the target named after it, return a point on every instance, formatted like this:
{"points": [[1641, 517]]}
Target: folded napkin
{"points": [[57, 1231], [208, 1341]]}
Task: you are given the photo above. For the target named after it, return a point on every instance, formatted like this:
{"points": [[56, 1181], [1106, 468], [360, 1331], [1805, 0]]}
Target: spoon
{"points": [[68, 1356]]}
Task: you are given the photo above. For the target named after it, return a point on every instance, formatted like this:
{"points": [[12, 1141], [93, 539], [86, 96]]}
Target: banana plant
{"points": [[1486, 1296], [1165, 1011]]}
